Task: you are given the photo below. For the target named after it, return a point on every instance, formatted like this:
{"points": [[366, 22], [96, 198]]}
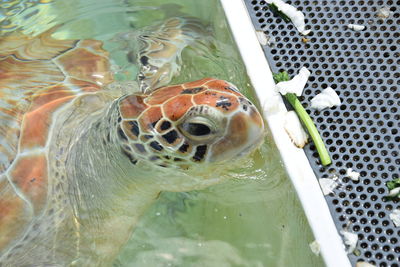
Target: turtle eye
{"points": [[196, 129]]}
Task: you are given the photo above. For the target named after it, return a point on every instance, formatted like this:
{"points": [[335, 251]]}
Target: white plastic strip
{"points": [[297, 165]]}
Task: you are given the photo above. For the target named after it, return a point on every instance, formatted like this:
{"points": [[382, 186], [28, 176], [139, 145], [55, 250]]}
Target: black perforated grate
{"points": [[364, 132]]}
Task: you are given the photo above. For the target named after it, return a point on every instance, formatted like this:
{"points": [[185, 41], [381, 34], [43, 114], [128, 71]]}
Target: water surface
{"points": [[255, 218]]}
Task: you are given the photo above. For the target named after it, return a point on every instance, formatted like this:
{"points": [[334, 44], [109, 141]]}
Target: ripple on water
{"points": [[255, 216]]}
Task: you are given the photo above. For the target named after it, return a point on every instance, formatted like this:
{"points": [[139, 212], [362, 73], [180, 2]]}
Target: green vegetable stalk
{"points": [[393, 185], [306, 120], [279, 13]]}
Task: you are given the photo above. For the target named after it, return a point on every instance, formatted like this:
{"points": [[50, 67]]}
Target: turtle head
{"points": [[199, 122]]}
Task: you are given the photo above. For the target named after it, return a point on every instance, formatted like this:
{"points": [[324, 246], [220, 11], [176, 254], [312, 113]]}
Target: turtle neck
{"points": [[107, 192]]}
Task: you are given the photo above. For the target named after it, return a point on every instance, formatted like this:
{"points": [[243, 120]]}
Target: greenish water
{"points": [[254, 219]]}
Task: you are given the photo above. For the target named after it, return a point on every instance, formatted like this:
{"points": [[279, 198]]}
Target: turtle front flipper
{"points": [[161, 47]]}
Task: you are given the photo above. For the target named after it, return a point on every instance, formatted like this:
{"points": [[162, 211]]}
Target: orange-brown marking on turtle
{"points": [[29, 175], [31, 48], [222, 86], [28, 69], [173, 31], [149, 118], [163, 94], [173, 22], [14, 214], [166, 50], [237, 129], [83, 86], [131, 129], [132, 106], [11, 112], [82, 64], [163, 126], [36, 124], [15, 73], [193, 90], [155, 46], [175, 108], [94, 46], [223, 101], [255, 117], [198, 83], [50, 94]]}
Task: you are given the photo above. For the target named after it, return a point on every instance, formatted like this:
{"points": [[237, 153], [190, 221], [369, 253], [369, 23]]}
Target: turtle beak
{"points": [[244, 134]]}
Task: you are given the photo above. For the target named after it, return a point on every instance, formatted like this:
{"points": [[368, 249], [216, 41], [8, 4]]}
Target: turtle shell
{"points": [[38, 76]]}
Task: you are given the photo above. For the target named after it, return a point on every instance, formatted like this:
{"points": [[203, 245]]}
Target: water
{"points": [[255, 218]]}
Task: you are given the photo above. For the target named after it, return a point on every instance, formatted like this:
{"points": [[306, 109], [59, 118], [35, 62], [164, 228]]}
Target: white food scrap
{"points": [[353, 175], [350, 239], [384, 12], [263, 38], [356, 27], [296, 16], [395, 217], [327, 185], [295, 85], [315, 247], [326, 99], [271, 104], [364, 264], [394, 192], [295, 130]]}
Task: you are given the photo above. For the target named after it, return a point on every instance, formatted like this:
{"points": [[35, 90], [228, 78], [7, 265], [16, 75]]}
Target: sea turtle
{"points": [[79, 163]]}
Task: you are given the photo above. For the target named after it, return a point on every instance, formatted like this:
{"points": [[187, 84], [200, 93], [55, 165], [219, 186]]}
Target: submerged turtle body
{"points": [[75, 159]]}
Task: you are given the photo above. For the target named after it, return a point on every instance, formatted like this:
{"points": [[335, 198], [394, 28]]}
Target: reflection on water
{"points": [[253, 219], [10, 11]]}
